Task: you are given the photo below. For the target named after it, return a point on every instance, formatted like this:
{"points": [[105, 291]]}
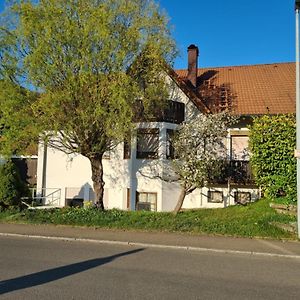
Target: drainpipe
{"points": [[132, 175], [44, 176]]}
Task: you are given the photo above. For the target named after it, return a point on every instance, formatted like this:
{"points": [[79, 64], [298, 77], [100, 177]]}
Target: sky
{"points": [[232, 32]]}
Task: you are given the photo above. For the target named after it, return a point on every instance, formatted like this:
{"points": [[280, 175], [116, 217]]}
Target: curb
{"points": [[146, 245]]}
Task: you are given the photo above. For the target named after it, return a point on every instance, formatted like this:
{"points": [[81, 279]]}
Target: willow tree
{"points": [[89, 62]]}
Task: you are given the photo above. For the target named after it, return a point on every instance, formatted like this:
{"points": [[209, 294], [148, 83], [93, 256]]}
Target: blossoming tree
{"points": [[200, 152]]}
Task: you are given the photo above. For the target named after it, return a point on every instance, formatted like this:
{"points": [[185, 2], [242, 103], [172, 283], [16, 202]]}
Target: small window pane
{"points": [[239, 148], [143, 197], [144, 206], [242, 197], [215, 196], [152, 198], [147, 143], [170, 147], [127, 148], [146, 201]]}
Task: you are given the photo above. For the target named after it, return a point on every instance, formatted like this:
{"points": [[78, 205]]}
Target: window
{"points": [[215, 197], [127, 148], [174, 113], [147, 143], [242, 197], [239, 147], [146, 201], [170, 148]]}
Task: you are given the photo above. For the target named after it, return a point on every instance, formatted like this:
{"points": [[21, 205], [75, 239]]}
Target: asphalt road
{"points": [[50, 269]]}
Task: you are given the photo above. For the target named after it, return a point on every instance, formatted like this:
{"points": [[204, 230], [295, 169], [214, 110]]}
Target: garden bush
{"points": [[272, 143], [12, 188]]}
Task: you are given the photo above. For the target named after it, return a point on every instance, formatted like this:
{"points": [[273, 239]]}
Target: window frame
{"points": [[236, 194], [238, 135], [170, 150], [147, 154], [127, 148], [138, 194], [209, 196]]}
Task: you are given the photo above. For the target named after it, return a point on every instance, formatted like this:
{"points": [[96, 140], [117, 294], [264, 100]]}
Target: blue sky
{"points": [[232, 32]]}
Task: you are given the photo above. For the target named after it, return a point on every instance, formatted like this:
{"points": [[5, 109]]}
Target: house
{"points": [[133, 172]]}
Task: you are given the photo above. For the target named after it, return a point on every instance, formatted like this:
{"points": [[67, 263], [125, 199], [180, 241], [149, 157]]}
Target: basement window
{"points": [[242, 197], [215, 197], [146, 201]]}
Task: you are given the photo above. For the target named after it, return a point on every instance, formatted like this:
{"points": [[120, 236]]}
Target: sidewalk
{"points": [[159, 239]]}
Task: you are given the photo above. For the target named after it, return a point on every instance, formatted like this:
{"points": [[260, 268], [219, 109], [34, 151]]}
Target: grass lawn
{"points": [[253, 220]]}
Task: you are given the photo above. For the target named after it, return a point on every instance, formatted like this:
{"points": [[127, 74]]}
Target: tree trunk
{"points": [[180, 200], [97, 178]]}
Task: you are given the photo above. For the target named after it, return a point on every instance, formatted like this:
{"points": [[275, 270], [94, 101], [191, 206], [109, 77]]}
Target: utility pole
{"points": [[297, 152]]}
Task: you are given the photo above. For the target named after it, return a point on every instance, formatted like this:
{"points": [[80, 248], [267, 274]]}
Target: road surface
{"points": [[57, 269]]}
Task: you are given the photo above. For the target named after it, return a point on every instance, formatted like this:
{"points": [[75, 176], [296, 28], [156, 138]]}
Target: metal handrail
{"points": [[51, 199]]}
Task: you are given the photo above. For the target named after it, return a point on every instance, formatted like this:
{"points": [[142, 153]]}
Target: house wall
{"points": [[72, 175], [199, 197]]}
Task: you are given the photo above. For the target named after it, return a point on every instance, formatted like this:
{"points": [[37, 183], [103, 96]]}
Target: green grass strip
{"points": [[254, 220]]}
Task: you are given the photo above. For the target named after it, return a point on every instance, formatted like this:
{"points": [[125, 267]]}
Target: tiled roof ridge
{"points": [[254, 89], [239, 66]]}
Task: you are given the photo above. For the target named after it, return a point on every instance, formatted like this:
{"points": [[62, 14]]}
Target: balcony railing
{"points": [[171, 112], [237, 172], [241, 172]]}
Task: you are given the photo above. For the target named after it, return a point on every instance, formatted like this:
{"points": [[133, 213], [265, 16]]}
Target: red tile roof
{"points": [[253, 90]]}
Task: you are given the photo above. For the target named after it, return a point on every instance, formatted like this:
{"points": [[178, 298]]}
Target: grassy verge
{"points": [[253, 220]]}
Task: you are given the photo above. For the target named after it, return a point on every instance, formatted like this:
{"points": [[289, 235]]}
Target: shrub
{"points": [[272, 143], [11, 186]]}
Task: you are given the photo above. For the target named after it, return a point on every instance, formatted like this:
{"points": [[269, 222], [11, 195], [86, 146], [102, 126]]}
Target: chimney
{"points": [[193, 53]]}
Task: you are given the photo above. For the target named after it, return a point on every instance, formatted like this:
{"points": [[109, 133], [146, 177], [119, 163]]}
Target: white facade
{"points": [[69, 176]]}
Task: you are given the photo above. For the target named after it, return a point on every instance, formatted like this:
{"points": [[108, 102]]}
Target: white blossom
{"points": [[200, 149]]}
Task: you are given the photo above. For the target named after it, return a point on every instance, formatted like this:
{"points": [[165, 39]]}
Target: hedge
{"points": [[272, 144]]}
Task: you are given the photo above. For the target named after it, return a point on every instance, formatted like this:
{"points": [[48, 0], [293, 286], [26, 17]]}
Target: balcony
{"points": [[171, 112], [238, 172]]}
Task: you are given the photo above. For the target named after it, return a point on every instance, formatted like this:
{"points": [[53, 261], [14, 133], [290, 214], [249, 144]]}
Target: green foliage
{"points": [[11, 186], [89, 62], [18, 128], [272, 144], [255, 220]]}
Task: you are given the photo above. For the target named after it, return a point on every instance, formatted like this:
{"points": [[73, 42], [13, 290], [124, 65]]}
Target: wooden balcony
{"points": [[171, 112], [238, 172]]}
